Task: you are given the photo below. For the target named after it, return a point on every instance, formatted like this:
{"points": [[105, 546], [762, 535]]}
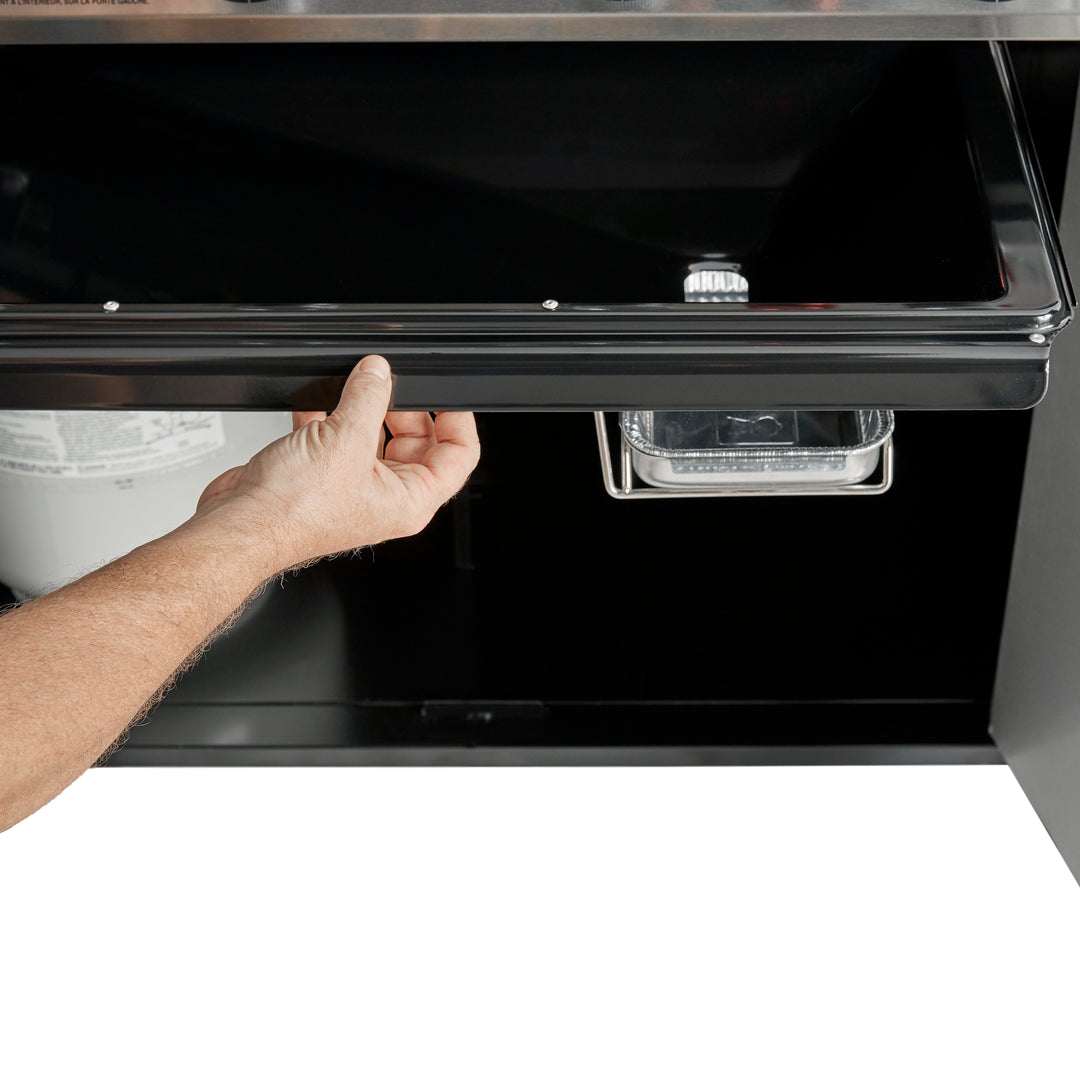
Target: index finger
{"points": [[456, 450], [456, 427]]}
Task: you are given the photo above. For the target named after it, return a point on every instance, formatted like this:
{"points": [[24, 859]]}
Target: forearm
{"points": [[77, 666]]}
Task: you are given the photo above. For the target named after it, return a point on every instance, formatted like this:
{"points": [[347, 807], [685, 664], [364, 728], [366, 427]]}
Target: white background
{"points": [[842, 922]]}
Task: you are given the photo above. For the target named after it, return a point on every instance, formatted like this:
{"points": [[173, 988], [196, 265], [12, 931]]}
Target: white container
{"points": [[80, 488]]}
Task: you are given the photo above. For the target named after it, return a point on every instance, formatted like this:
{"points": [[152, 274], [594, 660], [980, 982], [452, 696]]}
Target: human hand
{"points": [[335, 484]]}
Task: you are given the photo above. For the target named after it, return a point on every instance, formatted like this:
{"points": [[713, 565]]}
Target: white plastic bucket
{"points": [[80, 488]]}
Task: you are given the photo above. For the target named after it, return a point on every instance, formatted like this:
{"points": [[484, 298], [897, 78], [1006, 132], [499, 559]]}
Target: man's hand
{"points": [[336, 484], [81, 663]]}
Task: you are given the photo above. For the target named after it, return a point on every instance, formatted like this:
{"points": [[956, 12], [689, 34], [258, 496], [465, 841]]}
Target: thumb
{"points": [[364, 401]]}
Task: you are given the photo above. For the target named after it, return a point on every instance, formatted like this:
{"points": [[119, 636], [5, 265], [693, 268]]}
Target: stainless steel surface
{"points": [[534, 756], [547, 20], [1035, 715], [625, 487]]}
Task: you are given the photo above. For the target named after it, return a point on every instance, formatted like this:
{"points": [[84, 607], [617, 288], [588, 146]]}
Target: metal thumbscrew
{"points": [[111, 305], [550, 305]]}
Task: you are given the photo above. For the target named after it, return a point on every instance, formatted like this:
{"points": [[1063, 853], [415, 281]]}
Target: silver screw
{"points": [[111, 305], [1038, 339], [550, 305]]}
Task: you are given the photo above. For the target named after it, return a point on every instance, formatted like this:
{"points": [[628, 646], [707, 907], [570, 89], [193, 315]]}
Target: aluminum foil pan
{"points": [[769, 448]]}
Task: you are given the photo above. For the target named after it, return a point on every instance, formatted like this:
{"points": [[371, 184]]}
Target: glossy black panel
{"points": [[574, 360], [575, 621], [464, 174], [312, 204]]}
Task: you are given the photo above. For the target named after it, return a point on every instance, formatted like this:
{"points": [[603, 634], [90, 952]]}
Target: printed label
{"points": [[74, 3], [83, 443]]}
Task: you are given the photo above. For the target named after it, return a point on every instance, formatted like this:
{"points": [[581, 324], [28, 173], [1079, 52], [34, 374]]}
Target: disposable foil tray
{"points": [[756, 449]]}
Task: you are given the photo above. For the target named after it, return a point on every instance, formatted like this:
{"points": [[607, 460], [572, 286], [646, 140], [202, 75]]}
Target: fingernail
{"points": [[375, 365]]}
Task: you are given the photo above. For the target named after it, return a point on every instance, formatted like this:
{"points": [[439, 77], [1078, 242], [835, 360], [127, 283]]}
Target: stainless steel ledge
{"points": [[536, 756], [99, 21]]}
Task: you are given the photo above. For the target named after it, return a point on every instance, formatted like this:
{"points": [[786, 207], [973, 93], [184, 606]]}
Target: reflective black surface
{"points": [[435, 174], [528, 629], [263, 216]]}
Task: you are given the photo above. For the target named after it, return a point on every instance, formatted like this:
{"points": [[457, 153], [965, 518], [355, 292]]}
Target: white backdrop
{"points": [[844, 922]]}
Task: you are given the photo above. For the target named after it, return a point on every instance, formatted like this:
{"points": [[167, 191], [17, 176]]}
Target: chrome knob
{"points": [[715, 282]]}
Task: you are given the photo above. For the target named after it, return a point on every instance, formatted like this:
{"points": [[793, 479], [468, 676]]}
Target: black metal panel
{"points": [[879, 197], [1036, 704], [582, 629], [544, 371]]}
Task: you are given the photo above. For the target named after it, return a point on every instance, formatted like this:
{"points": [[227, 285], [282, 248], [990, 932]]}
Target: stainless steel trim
{"points": [[533, 756], [99, 21], [625, 488]]}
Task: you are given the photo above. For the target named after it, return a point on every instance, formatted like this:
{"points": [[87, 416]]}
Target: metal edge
{"points": [[586, 756], [1044, 221], [681, 20]]}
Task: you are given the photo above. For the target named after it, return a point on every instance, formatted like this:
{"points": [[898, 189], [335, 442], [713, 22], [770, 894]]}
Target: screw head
{"points": [[550, 305], [1037, 339], [111, 305]]}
